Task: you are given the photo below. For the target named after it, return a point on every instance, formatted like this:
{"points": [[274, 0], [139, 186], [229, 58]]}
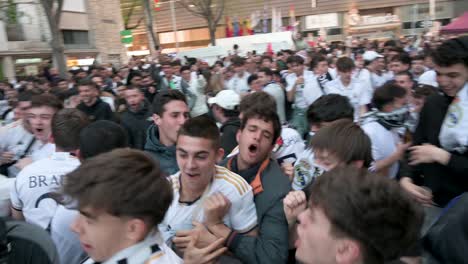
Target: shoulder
{"points": [[274, 181], [227, 180]]}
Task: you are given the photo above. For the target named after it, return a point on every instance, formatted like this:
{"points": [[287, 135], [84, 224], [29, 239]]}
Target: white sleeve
{"points": [[243, 213], [14, 196]]}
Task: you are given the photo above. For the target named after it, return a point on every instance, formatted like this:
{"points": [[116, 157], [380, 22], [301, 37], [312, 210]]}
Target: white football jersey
{"points": [[34, 185], [242, 215]]}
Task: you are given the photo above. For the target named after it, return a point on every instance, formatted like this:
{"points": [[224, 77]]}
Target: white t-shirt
{"points": [[299, 97], [357, 93], [239, 84], [312, 90], [33, 185], [384, 143], [277, 92], [242, 215], [66, 241]]}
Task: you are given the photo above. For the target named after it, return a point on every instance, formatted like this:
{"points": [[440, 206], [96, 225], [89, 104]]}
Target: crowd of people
{"points": [[332, 154]]}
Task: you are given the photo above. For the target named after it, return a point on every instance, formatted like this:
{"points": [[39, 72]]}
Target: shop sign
{"points": [[354, 19], [322, 21]]}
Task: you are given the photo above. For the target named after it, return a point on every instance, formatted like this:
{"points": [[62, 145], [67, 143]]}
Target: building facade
{"points": [[336, 19], [90, 30]]}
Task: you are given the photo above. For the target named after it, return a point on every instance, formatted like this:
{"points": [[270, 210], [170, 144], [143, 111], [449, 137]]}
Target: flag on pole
{"points": [[157, 5], [236, 27], [229, 30]]}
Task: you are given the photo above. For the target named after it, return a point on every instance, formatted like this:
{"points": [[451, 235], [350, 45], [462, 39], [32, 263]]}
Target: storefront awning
{"points": [[459, 25]]}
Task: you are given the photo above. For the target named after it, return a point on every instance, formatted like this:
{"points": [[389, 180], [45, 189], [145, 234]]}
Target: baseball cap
{"points": [[226, 99], [371, 55]]}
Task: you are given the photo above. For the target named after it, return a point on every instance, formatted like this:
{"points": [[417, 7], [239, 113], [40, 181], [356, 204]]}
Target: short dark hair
{"points": [[66, 127], [387, 94], [266, 58], [87, 83], [417, 57], [406, 73], [131, 174], [346, 140], [330, 107], [267, 115], [295, 59], [267, 71], [165, 97], [451, 52], [252, 78], [26, 96], [46, 100], [201, 127], [424, 90], [253, 99], [185, 68], [316, 59], [345, 64], [100, 137], [368, 208], [403, 57], [238, 61]]}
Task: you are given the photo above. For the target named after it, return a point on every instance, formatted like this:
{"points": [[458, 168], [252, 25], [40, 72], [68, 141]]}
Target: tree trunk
{"points": [[56, 43], [153, 39], [213, 35]]}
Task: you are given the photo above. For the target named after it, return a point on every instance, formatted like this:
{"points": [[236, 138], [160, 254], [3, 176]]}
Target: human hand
{"points": [[293, 204], [203, 255], [428, 153], [182, 239], [6, 157], [419, 193], [300, 80], [205, 237], [288, 169], [216, 207]]}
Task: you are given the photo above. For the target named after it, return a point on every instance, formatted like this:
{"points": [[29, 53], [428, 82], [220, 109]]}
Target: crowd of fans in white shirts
{"points": [[331, 154]]}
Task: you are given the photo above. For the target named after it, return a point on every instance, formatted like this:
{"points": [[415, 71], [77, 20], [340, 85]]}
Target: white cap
{"points": [[226, 99], [371, 55]]}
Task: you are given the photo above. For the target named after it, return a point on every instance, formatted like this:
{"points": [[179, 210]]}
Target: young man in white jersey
{"points": [[37, 121], [296, 92], [356, 91], [115, 194], [31, 195], [200, 181]]}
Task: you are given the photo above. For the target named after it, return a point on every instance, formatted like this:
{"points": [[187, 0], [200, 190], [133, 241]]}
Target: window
{"points": [[75, 37]]}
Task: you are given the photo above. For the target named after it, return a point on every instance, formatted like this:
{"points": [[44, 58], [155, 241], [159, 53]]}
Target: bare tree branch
{"points": [[58, 12]]}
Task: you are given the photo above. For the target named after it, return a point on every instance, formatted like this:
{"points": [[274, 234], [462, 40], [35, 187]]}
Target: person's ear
{"points": [[219, 155], [156, 119], [136, 230], [51, 139], [347, 251], [238, 135], [357, 164]]}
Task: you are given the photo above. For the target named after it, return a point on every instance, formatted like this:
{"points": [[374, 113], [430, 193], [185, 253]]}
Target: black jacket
{"points": [[136, 124], [446, 182], [98, 111], [228, 134]]}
